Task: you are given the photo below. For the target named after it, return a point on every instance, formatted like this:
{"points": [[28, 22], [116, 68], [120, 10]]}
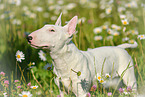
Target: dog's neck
{"points": [[65, 59]]}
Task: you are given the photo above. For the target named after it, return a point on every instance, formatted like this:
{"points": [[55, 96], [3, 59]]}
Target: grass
{"points": [[17, 21]]}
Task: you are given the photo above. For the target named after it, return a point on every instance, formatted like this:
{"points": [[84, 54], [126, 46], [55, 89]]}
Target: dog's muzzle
{"points": [[29, 38]]}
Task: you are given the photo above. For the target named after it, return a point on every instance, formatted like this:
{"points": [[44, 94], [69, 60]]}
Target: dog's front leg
{"points": [[80, 88], [57, 82]]}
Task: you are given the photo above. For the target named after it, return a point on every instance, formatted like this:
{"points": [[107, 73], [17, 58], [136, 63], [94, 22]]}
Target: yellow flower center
{"points": [[115, 34], [131, 41], [133, 31], [18, 56], [141, 36], [101, 81], [44, 55], [25, 96], [107, 76], [48, 68], [99, 77], [34, 87], [125, 22], [104, 27], [109, 10]]}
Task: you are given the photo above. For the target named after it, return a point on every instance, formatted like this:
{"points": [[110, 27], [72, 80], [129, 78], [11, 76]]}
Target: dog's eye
{"points": [[52, 30]]}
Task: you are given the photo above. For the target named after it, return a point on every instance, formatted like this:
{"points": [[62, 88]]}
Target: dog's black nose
{"points": [[29, 38]]}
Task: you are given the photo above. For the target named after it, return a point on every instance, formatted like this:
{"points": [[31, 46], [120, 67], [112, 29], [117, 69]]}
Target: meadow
{"points": [[27, 72]]}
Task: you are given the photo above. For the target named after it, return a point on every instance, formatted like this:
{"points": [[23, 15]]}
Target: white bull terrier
{"points": [[68, 60]]}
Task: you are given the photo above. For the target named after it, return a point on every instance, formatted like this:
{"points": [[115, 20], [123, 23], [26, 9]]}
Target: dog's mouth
{"points": [[39, 47]]}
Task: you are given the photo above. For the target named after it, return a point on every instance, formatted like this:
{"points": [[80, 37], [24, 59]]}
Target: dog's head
{"points": [[51, 36]]}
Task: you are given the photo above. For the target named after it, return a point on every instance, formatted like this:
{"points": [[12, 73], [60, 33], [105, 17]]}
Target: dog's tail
{"points": [[127, 45]]}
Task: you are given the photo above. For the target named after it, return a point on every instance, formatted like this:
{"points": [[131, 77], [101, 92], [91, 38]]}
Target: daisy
{"points": [[25, 94], [102, 81], [5, 94], [105, 27], [125, 22], [99, 77], [122, 16], [114, 26], [34, 87], [98, 38], [107, 75], [19, 56], [125, 39], [81, 20], [42, 55], [115, 33], [48, 66], [131, 41], [141, 36], [134, 32], [97, 30], [108, 10]]}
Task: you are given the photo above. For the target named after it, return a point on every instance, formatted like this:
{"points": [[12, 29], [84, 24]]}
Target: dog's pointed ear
{"points": [[71, 26], [58, 22]]}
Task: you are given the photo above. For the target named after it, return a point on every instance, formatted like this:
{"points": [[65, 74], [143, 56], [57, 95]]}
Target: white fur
{"points": [[67, 56]]}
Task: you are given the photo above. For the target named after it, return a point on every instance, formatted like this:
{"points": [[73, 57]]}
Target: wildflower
{"points": [[29, 84], [90, 21], [16, 81], [109, 37], [5, 94], [79, 73], [108, 10], [18, 87], [39, 9], [131, 41], [25, 94], [104, 27], [39, 93], [6, 82], [19, 56], [98, 38], [122, 17], [102, 81], [141, 36], [125, 39], [81, 20], [121, 90], [2, 73], [110, 31], [98, 77], [125, 22], [129, 89], [114, 26], [115, 33], [88, 95], [58, 95], [34, 87], [109, 94], [48, 66], [70, 6], [124, 29], [42, 55], [93, 88], [107, 75], [97, 30]]}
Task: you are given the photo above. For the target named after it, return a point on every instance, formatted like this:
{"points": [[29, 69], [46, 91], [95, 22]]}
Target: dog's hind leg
{"points": [[128, 77]]}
